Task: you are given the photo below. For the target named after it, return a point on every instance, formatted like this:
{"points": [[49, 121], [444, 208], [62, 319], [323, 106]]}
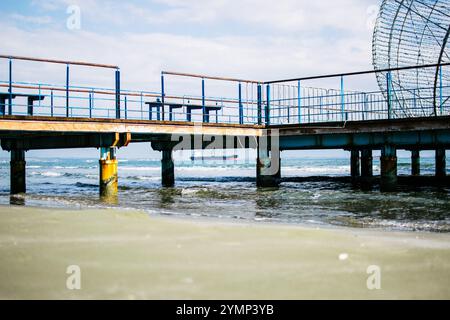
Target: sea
{"points": [[226, 190]]}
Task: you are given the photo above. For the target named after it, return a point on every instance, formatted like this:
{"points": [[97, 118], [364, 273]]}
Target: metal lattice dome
{"points": [[411, 33]]}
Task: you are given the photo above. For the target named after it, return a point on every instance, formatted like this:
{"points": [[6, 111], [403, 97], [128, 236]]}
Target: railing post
{"points": [[39, 101], [205, 117], [299, 102], [163, 95], [10, 88], [67, 90], [389, 102], [364, 106], [126, 107], [241, 110], [51, 103], [259, 104], [342, 99], [93, 100], [287, 99], [267, 113], [90, 105], [440, 91], [142, 107], [117, 94]]}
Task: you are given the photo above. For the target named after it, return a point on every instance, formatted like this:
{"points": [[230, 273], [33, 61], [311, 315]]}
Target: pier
{"points": [[352, 112]]}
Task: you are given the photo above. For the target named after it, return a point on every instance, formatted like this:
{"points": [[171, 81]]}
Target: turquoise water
{"points": [[227, 190]]}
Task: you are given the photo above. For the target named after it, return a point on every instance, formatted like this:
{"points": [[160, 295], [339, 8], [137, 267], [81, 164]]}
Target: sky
{"points": [[252, 39], [258, 39]]}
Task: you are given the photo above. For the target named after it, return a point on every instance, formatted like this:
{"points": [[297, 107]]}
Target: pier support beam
{"points": [[167, 168], [366, 163], [388, 161], [108, 172], [355, 164], [441, 166], [415, 162], [268, 167], [18, 171]]}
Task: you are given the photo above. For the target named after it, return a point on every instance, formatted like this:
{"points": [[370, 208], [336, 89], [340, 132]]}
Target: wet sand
{"points": [[130, 255]]}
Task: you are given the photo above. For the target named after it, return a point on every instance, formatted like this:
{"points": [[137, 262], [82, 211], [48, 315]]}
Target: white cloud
{"points": [[40, 20], [285, 15], [308, 45], [49, 5]]}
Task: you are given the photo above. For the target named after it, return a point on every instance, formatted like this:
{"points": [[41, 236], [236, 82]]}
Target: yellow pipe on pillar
{"points": [[108, 173]]}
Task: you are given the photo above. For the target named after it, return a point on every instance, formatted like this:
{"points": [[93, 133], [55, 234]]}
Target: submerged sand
{"points": [[130, 255]]}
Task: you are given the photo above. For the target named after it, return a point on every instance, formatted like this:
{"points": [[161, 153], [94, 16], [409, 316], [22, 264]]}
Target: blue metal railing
{"points": [[292, 102], [240, 101]]}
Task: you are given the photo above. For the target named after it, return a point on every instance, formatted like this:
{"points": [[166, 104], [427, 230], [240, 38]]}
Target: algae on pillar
{"points": [[355, 164], [268, 166], [18, 171], [366, 163], [415, 162], [108, 172], [167, 168], [166, 146], [388, 161], [441, 166]]}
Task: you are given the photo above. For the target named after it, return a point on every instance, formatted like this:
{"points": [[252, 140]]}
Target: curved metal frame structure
{"points": [[408, 33]]}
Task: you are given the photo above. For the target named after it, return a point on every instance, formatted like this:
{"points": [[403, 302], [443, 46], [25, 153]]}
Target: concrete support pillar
{"points": [[355, 164], [388, 161], [441, 166], [268, 167], [167, 168], [108, 172], [366, 163], [18, 172], [415, 162]]}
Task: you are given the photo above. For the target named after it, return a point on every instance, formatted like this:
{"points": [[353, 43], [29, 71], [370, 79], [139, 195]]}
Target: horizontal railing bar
{"points": [[357, 73], [192, 75], [78, 63]]}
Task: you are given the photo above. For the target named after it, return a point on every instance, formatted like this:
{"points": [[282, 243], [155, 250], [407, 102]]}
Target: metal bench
{"points": [[208, 109], [157, 106], [172, 106], [31, 98]]}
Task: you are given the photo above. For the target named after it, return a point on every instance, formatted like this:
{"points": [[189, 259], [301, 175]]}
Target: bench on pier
{"points": [[208, 109], [189, 107], [157, 106], [151, 106], [31, 98]]}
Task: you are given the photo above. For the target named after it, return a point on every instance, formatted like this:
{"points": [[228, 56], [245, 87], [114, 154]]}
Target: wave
{"points": [[156, 168], [47, 174], [216, 179], [318, 169], [86, 185], [143, 178]]}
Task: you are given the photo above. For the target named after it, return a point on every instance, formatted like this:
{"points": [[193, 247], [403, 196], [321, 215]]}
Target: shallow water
{"points": [[227, 191]]}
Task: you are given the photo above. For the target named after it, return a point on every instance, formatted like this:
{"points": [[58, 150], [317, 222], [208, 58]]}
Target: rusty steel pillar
{"points": [[268, 167], [18, 172], [355, 164], [167, 168], [441, 166], [366, 163], [415, 162], [108, 172], [388, 161]]}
